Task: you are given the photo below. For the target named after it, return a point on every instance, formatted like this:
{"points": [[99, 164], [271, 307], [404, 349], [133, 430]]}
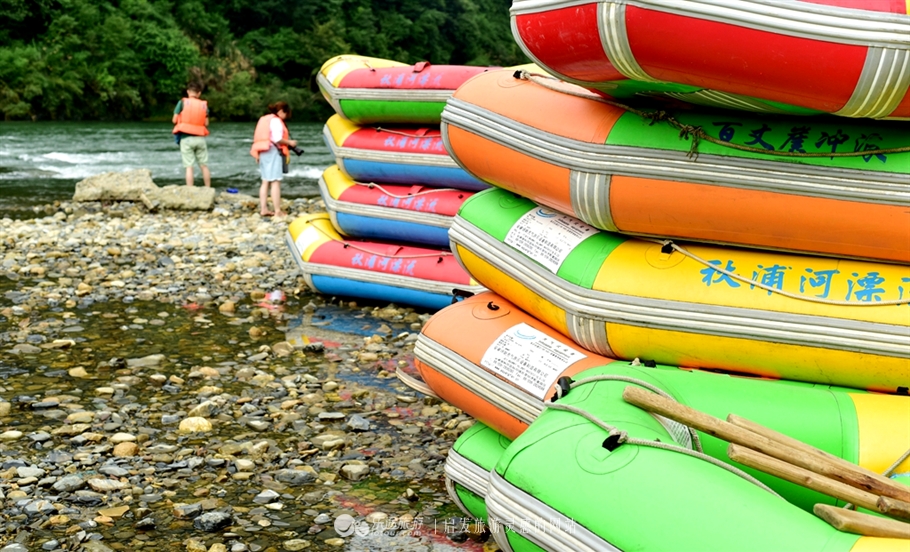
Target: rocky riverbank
{"points": [[167, 381]]}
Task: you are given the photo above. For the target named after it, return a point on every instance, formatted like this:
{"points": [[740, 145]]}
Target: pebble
{"points": [[194, 425]]}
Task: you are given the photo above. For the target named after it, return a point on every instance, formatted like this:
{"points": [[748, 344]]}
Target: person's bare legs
{"points": [[206, 175], [189, 176], [276, 198], [264, 199]]}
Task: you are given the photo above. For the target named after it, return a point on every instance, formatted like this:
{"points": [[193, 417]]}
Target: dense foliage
{"points": [[131, 59]]}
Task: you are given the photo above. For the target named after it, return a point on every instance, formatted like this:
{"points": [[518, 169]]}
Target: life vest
{"points": [[191, 119], [262, 139]]}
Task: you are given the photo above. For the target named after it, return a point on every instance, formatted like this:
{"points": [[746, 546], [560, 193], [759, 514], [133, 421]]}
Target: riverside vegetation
{"points": [[130, 59], [168, 382]]}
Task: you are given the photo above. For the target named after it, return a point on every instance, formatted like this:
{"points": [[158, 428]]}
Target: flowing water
{"points": [[41, 162]]}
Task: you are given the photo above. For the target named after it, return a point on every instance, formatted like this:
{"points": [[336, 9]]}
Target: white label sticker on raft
{"points": [[529, 359], [548, 236]]}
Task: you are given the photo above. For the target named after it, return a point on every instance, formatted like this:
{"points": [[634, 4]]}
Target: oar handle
{"points": [[862, 524], [814, 481], [815, 461]]}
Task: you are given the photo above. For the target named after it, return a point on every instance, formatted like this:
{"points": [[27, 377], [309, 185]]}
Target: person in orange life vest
{"points": [[270, 148], [191, 120]]}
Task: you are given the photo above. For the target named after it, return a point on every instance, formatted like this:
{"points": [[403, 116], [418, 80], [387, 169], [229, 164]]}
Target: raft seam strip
{"points": [[507, 504], [611, 27], [465, 373], [466, 473], [882, 84]]}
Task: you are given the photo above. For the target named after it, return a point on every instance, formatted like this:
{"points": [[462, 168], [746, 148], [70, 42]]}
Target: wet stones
{"points": [[212, 521], [293, 422], [195, 424]]}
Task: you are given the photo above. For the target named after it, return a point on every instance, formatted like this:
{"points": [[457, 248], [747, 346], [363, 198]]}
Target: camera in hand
{"points": [[296, 149]]}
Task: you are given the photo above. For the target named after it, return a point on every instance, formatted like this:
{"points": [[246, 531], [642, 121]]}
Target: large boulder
{"points": [[116, 186], [137, 185], [187, 198]]}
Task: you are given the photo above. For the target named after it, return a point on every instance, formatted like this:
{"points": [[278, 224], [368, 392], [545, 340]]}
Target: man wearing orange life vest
{"points": [[270, 148], [191, 120]]}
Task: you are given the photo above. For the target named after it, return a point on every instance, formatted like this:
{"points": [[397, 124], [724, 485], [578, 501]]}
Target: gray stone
{"points": [[116, 471], [25, 349], [150, 360], [39, 507], [29, 471], [358, 423], [186, 511], [15, 547], [355, 472], [295, 478], [117, 186], [266, 496], [107, 485], [145, 524], [212, 521], [69, 483]]}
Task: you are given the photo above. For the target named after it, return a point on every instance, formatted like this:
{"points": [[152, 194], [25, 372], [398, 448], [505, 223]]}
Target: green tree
{"points": [[130, 59]]}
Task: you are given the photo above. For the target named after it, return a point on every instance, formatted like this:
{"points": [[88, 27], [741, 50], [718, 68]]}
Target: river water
{"points": [[41, 162]]}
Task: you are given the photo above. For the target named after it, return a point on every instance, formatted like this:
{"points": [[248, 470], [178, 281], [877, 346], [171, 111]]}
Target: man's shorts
{"points": [[193, 150]]}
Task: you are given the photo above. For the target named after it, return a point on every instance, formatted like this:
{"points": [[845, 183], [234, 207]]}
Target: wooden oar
{"points": [[862, 524], [816, 462], [814, 481], [788, 441]]}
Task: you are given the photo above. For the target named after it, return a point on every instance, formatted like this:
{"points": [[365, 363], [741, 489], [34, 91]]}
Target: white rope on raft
{"points": [[396, 196], [436, 133], [346, 243], [623, 437], [768, 288]]}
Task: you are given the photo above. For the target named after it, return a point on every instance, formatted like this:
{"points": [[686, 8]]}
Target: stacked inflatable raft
{"points": [[786, 299], [848, 57], [394, 191]]}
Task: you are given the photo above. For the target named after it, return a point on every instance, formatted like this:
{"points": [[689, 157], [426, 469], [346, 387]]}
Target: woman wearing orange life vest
{"points": [[191, 120], [270, 148]]}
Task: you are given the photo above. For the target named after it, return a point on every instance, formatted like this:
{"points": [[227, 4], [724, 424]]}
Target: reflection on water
{"points": [[41, 162]]}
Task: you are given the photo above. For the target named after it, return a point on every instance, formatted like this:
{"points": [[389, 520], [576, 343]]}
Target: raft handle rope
{"points": [[379, 187], [566, 384], [617, 437], [667, 247], [688, 131], [358, 60], [422, 133], [348, 244]]}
